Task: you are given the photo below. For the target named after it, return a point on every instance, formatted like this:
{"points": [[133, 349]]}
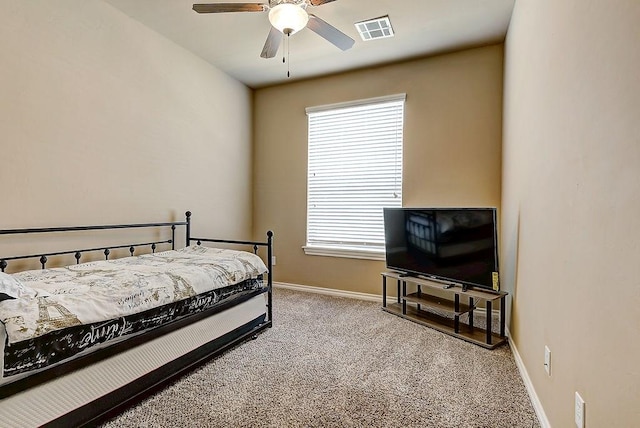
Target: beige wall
{"points": [[452, 153], [105, 121], [571, 198]]}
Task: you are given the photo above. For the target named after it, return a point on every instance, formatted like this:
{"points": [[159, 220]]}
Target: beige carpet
{"points": [[334, 362]]}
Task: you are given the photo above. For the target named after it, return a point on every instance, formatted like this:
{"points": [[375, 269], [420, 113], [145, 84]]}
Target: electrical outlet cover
{"points": [[579, 411]]}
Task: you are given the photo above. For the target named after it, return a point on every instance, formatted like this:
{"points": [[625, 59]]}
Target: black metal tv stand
{"points": [[426, 307]]}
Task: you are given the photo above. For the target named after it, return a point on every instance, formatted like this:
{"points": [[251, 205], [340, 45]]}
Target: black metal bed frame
{"points": [[123, 397]]}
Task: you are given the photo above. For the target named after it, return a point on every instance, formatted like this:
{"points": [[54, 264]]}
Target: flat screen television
{"points": [[455, 245]]}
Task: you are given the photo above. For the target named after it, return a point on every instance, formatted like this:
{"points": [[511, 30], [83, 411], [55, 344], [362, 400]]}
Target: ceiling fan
{"points": [[286, 17]]}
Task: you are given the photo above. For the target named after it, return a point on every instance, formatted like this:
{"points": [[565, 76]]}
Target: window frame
{"points": [[346, 251]]}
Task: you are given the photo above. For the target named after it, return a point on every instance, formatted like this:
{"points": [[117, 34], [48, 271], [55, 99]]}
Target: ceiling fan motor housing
{"points": [[301, 3]]}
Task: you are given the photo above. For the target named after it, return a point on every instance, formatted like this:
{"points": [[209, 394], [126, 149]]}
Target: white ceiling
{"points": [[233, 41]]}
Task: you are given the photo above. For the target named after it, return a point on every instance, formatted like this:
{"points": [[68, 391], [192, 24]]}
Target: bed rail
{"points": [[43, 257], [256, 244]]}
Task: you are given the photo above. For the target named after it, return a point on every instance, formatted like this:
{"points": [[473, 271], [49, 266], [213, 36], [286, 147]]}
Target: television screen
{"points": [[451, 244]]}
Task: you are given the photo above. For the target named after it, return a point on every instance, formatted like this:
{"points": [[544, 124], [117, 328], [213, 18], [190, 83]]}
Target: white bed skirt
{"points": [[48, 401]]}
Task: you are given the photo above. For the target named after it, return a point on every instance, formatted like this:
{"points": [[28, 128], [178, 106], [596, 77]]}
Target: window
{"points": [[355, 169]]}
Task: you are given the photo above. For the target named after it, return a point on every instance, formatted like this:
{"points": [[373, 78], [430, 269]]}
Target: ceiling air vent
{"points": [[377, 28]]}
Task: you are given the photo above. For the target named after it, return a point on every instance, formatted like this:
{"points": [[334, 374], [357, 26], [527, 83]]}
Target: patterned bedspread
{"points": [[95, 292]]}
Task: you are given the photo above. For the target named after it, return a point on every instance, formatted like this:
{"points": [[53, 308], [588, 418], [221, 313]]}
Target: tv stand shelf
{"points": [[443, 313], [437, 303]]}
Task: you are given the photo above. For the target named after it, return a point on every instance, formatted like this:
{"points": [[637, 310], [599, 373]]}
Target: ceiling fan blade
{"points": [[319, 2], [229, 7], [272, 44], [330, 33]]}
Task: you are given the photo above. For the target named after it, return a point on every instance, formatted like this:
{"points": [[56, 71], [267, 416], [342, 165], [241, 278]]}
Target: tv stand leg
{"points": [[404, 301], [471, 302], [384, 291], [502, 315], [489, 321], [456, 318], [399, 295]]}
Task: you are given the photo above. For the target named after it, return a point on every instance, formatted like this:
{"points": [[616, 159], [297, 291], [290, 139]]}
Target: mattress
{"points": [[46, 402], [28, 357], [65, 313]]}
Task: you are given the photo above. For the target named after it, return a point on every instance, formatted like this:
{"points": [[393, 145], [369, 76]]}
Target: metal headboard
{"points": [[43, 257]]}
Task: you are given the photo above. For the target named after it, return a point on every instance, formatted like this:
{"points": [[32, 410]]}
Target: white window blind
{"points": [[354, 170]]}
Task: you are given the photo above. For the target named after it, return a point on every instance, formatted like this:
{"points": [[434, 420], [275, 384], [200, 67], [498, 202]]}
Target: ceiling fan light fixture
{"points": [[288, 18]]}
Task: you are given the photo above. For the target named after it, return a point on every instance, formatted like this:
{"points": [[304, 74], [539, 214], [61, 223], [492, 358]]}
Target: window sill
{"points": [[344, 252]]}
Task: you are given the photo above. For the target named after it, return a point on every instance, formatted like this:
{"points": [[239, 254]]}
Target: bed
{"points": [[82, 341]]}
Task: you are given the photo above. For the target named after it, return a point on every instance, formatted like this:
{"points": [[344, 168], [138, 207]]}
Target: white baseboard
{"points": [[330, 292], [535, 401]]}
